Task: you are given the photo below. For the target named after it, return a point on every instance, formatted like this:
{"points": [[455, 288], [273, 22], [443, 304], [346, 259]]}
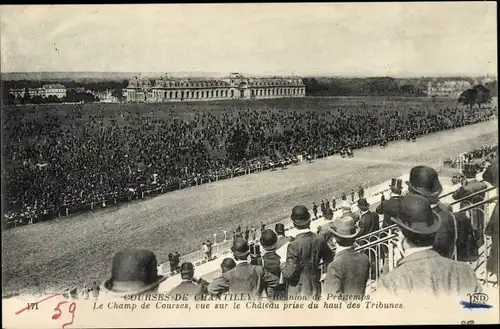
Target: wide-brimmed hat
{"points": [[279, 229], [240, 247], [300, 217], [268, 239], [413, 212], [134, 265], [345, 227], [424, 181], [363, 204]]}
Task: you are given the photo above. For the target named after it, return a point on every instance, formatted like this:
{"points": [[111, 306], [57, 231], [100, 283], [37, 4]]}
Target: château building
{"points": [[235, 86], [447, 88]]}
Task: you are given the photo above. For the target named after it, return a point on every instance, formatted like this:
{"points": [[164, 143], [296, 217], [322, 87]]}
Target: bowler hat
{"points": [[187, 268], [345, 227], [268, 240], [228, 264], [240, 247], [424, 181], [300, 217], [133, 265], [363, 205], [279, 229], [413, 212]]}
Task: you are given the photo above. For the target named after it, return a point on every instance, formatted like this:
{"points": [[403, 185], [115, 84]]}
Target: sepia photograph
{"points": [[249, 164]]}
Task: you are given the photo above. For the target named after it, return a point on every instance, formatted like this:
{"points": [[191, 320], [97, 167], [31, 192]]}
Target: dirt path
{"points": [[79, 249]]}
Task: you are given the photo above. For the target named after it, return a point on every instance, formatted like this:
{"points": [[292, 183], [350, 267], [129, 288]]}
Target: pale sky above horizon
{"points": [[357, 39]]}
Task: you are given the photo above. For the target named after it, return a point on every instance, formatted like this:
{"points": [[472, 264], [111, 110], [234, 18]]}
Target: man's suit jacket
{"points": [[282, 240], [271, 263], [302, 268], [190, 288], [472, 187], [445, 240], [368, 223], [426, 272], [347, 273], [243, 279], [380, 210]]}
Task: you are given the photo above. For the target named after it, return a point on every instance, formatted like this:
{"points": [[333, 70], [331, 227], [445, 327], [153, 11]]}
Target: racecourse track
{"points": [[78, 249]]}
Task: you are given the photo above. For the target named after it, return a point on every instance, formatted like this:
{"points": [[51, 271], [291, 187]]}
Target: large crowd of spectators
{"points": [[77, 160]]}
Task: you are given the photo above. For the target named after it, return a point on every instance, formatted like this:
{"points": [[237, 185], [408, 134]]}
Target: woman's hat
{"points": [[345, 227], [413, 212], [424, 181], [300, 217], [138, 266]]}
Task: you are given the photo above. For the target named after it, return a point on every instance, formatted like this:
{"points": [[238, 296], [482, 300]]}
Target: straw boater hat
{"points": [[345, 227], [413, 213], [137, 266], [424, 181]]}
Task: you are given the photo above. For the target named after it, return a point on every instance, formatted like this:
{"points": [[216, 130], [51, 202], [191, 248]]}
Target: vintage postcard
{"points": [[274, 164]]}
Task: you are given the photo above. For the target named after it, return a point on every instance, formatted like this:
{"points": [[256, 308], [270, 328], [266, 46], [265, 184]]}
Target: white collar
{"points": [[238, 262], [364, 212], [433, 206], [340, 248], [410, 251], [303, 230], [394, 195], [187, 280]]}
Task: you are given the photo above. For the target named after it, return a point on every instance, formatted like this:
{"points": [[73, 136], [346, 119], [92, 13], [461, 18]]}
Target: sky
{"points": [[357, 39]]}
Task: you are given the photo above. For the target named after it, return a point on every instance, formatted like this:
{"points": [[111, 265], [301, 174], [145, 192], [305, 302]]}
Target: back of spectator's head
{"points": [[134, 271], [424, 181], [413, 215], [240, 249], [269, 240], [187, 271], [300, 217], [227, 264]]}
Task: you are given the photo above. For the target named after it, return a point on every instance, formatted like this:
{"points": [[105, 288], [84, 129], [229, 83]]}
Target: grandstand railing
{"points": [[383, 249]]}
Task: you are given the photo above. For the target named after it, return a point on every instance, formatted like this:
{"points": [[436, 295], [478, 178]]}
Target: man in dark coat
{"points": [[424, 181], [315, 210], [348, 273], [189, 285], [490, 175], [471, 186], [361, 192], [352, 195], [302, 270], [396, 191], [369, 221], [422, 271], [244, 278], [344, 197], [323, 208], [271, 261]]}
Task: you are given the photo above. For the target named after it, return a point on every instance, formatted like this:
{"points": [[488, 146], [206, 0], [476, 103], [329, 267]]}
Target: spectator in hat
{"points": [[348, 273], [226, 265], [492, 227], [368, 221], [247, 233], [133, 272], [396, 192], [344, 197], [177, 260], [323, 208], [424, 181], [244, 278], [334, 203], [422, 270], [361, 192], [352, 195], [346, 209], [189, 285], [206, 252], [472, 186], [271, 261], [253, 233], [301, 270], [255, 256], [282, 239], [328, 211]]}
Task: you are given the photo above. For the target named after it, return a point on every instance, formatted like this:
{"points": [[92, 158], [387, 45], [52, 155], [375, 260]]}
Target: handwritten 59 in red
{"points": [[61, 310]]}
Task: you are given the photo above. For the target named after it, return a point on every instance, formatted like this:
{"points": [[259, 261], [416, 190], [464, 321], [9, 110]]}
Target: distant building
{"points": [[447, 88], [235, 86], [56, 90]]}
